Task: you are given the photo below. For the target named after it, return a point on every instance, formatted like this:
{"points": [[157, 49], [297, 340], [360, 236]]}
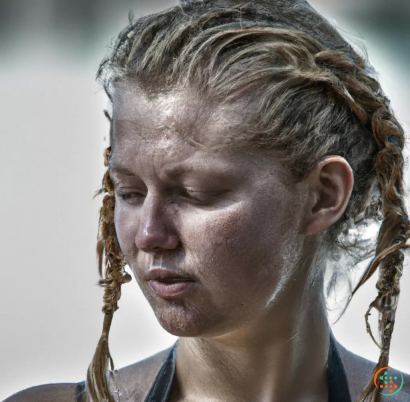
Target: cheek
{"points": [[126, 226], [240, 250]]}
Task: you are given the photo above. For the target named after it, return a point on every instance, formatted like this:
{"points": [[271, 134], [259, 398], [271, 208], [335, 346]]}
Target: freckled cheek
{"points": [[229, 246], [240, 249]]}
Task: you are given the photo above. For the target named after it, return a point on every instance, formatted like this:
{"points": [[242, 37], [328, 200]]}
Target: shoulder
{"points": [[359, 370], [135, 381], [49, 393]]}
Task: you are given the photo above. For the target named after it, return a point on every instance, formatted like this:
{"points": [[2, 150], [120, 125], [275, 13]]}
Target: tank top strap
{"points": [[161, 388], [337, 379]]}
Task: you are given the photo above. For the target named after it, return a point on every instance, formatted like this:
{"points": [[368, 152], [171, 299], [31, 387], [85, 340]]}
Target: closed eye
{"points": [[129, 196], [195, 196], [200, 195]]}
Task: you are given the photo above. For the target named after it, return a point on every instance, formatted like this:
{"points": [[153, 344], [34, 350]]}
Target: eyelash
{"points": [[127, 196]]}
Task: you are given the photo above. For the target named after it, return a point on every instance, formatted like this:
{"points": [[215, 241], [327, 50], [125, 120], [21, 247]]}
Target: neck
{"points": [[280, 356]]}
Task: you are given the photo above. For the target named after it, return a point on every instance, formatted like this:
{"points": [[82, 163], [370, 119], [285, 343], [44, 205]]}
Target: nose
{"points": [[155, 231]]}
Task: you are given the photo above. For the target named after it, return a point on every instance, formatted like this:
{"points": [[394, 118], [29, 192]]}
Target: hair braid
{"points": [[109, 252], [282, 56], [365, 98]]}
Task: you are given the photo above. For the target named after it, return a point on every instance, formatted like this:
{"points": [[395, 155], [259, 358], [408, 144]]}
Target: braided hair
{"points": [[109, 254], [277, 56]]}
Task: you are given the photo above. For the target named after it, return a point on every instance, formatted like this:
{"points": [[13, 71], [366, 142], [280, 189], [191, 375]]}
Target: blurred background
{"points": [[53, 135]]}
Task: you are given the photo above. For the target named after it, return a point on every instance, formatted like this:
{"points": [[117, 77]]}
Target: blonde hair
{"points": [[278, 57]]}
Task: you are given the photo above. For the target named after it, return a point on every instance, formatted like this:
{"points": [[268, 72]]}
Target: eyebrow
{"points": [[121, 170], [171, 172]]}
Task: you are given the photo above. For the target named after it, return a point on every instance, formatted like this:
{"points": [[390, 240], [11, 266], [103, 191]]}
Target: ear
{"points": [[330, 185]]}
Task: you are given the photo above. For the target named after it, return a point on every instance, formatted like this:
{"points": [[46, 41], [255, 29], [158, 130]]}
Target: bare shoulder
{"points": [[135, 381], [49, 393], [359, 370]]}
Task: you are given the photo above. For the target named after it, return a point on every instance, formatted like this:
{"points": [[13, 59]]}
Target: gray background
{"points": [[52, 136]]}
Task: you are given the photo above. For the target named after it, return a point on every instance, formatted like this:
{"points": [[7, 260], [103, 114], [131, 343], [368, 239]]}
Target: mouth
{"points": [[169, 284]]}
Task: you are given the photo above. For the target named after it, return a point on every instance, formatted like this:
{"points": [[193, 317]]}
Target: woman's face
{"points": [[229, 221]]}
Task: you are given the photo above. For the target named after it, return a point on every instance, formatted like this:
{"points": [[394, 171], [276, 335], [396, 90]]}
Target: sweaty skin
{"points": [[251, 327], [243, 229]]}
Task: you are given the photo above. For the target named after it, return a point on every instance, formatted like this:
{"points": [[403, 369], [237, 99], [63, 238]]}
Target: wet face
{"points": [[229, 221]]}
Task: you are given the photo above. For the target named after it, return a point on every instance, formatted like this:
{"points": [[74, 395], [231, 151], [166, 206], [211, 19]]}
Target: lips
{"points": [[169, 284]]}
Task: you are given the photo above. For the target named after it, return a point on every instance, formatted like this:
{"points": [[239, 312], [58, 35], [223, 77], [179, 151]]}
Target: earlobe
{"points": [[330, 186]]}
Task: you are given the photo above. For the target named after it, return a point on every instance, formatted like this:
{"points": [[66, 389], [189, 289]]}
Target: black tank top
{"points": [[337, 380]]}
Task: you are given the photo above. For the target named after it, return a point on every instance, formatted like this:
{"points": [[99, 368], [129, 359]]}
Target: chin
{"points": [[180, 320], [188, 318]]}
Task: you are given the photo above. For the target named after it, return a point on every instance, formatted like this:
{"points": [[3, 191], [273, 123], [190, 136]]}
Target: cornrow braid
{"points": [[279, 56], [110, 255], [364, 97]]}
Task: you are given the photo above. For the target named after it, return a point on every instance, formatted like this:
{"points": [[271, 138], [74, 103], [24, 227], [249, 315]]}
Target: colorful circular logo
{"points": [[388, 381]]}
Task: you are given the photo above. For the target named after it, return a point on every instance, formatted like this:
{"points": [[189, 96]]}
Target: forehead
{"points": [[181, 114], [181, 127]]}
